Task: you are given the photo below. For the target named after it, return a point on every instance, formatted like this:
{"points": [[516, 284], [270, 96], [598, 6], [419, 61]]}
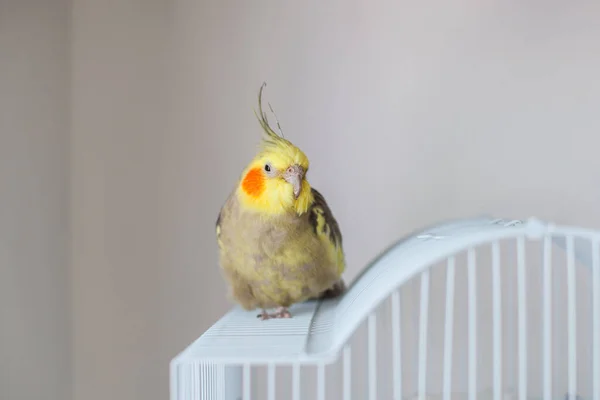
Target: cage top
{"points": [[319, 329]]}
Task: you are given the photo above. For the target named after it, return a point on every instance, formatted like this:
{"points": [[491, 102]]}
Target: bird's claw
{"points": [[281, 312], [263, 315]]}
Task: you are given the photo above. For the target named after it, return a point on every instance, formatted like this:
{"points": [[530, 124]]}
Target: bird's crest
{"points": [[271, 141]]}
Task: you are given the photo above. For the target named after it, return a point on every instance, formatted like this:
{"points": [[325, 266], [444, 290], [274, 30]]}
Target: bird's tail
{"points": [[337, 289]]}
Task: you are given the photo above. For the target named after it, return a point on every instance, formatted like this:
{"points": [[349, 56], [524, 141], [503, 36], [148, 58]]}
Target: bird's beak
{"points": [[294, 175]]}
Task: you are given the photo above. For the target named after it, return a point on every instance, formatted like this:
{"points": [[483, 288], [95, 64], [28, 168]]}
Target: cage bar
{"points": [[246, 382], [497, 320], [448, 327], [195, 372], [522, 328], [423, 335], [296, 381], [347, 355], [372, 350], [396, 346], [572, 317], [472, 292], [547, 322], [321, 381], [184, 381], [596, 319], [509, 324], [271, 381]]}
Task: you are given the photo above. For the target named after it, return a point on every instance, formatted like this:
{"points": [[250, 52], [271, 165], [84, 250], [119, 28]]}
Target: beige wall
{"points": [[385, 98], [34, 296], [118, 127]]}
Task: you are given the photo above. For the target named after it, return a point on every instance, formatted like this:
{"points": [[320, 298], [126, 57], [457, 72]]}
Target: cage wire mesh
{"points": [[515, 318]]}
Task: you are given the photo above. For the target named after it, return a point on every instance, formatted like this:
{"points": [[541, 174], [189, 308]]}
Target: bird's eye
{"points": [[267, 168]]}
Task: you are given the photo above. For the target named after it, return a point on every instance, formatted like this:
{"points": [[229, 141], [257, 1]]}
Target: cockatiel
{"points": [[279, 243]]}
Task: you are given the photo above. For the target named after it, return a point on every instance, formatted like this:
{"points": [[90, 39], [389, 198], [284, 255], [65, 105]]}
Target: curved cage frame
{"points": [[550, 293]]}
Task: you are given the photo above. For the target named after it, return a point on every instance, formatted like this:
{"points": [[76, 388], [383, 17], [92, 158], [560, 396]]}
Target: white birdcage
{"points": [[473, 309]]}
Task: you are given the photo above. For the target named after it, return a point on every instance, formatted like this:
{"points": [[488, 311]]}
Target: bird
{"points": [[279, 243]]}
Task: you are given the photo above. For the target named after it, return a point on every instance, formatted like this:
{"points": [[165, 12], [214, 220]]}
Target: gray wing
{"points": [[330, 227], [324, 223]]}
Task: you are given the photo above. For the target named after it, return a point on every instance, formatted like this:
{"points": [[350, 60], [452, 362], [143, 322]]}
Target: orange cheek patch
{"points": [[254, 182]]}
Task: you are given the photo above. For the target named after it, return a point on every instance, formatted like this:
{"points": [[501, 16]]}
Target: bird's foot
{"points": [[281, 312], [264, 315]]}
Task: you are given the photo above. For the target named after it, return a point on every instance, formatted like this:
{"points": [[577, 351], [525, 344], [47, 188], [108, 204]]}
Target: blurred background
{"points": [[125, 124]]}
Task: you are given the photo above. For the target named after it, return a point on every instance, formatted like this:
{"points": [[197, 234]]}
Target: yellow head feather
{"points": [[262, 186]]}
